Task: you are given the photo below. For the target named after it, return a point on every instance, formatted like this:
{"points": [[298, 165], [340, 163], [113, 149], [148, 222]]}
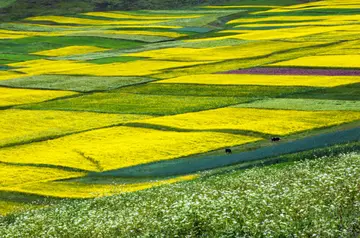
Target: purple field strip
{"points": [[296, 71]]}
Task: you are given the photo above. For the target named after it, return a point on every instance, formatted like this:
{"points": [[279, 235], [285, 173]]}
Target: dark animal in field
{"points": [[274, 139], [228, 151]]}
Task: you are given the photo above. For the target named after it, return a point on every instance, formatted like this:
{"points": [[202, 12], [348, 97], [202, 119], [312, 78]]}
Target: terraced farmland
{"points": [[82, 96]]}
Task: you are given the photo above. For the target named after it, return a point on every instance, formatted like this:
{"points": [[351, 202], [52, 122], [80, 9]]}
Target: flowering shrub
{"points": [[318, 198]]}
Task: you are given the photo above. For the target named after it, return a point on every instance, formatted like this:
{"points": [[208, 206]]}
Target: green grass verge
{"points": [[109, 60], [273, 201], [12, 58], [39, 43], [345, 92], [116, 102], [5, 3], [74, 83], [213, 90], [305, 104]]}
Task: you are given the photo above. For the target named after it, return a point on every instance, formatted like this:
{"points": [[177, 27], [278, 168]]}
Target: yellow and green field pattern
{"points": [[108, 91]]}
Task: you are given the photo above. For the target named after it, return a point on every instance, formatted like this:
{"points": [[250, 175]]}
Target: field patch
{"points": [[276, 122], [330, 61], [42, 43], [84, 21], [4, 75], [13, 175], [79, 190], [117, 102], [271, 80], [10, 96], [133, 68], [74, 83], [70, 50], [248, 50], [119, 147], [126, 15], [6, 58], [34, 125], [43, 66], [8, 207], [168, 34], [248, 91], [109, 60], [344, 92], [297, 71], [304, 104]]}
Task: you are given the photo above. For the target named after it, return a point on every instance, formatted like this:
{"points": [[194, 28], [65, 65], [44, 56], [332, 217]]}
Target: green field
{"points": [[305, 104], [74, 83], [101, 99], [117, 102]]}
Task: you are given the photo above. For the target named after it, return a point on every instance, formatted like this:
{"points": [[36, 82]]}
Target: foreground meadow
{"points": [[317, 198], [83, 96]]}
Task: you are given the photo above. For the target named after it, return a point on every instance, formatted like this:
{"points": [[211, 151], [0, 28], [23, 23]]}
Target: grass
{"points": [[213, 90], [6, 3], [345, 92], [39, 43], [74, 83], [271, 80], [117, 102], [12, 58], [109, 60], [242, 203], [304, 104]]}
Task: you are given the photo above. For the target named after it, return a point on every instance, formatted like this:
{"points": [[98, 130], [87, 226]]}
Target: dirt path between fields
{"points": [[194, 164]]}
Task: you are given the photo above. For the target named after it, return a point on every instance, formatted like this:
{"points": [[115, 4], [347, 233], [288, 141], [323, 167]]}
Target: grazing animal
{"points": [[274, 139], [228, 151]]}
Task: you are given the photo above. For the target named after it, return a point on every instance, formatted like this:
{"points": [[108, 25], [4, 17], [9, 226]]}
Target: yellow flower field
{"points": [[14, 175], [280, 33], [80, 190], [5, 36], [70, 50], [252, 49], [119, 147], [83, 21], [42, 66], [145, 33], [134, 68], [317, 5], [9, 34], [277, 122], [33, 124], [273, 80], [12, 96], [5, 75], [124, 15], [278, 18], [336, 61]]}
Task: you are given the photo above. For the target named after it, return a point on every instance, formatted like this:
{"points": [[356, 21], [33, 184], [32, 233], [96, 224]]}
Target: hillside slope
{"points": [[310, 198], [16, 9]]}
